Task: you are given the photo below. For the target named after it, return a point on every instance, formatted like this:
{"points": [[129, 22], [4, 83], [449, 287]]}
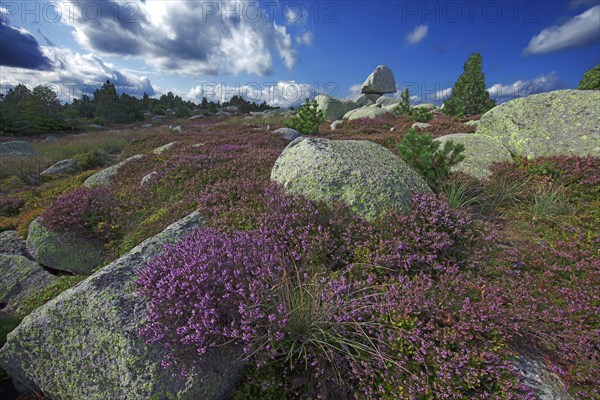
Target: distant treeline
{"points": [[33, 112]]}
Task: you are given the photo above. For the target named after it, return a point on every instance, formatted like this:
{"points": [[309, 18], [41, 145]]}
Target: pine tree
{"points": [[404, 106], [469, 95], [308, 119]]}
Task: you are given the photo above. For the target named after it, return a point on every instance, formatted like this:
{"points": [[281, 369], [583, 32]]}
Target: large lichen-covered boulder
{"points": [[366, 112], [104, 177], [334, 108], [480, 152], [17, 148], [84, 343], [545, 124], [366, 176], [21, 278], [63, 251], [380, 81]]}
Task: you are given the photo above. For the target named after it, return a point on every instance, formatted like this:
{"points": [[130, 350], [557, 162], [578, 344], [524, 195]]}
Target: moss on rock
{"points": [[63, 251], [545, 124], [366, 176]]}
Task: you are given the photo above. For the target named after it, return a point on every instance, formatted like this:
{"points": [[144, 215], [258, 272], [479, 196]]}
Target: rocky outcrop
{"points": [[380, 81], [334, 108], [366, 176], [545, 124], [366, 112], [21, 278], [104, 177], [64, 167], [480, 152], [63, 251], [84, 343], [18, 148]]}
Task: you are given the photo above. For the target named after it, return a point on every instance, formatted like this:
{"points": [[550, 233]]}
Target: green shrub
{"points": [[591, 79], [426, 156], [421, 115], [308, 119], [182, 112], [89, 160], [404, 106], [469, 95]]}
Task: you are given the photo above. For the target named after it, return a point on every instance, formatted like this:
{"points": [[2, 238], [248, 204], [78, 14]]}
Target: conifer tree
{"points": [[469, 95]]}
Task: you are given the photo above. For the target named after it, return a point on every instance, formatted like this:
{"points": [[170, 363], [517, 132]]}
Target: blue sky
{"points": [[281, 51]]}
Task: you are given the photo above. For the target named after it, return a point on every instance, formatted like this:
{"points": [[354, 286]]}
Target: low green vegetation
{"points": [[308, 119], [432, 162]]}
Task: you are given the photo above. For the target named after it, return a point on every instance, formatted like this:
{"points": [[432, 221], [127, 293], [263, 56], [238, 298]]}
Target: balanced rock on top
{"points": [[380, 81]]}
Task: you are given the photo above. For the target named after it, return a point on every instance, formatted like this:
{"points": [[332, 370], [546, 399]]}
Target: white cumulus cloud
{"points": [[73, 74], [190, 38], [417, 35], [521, 88], [277, 94], [580, 31]]}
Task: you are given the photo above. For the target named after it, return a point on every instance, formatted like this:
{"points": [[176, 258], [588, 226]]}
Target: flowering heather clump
{"points": [[312, 233], [85, 211], [430, 238], [216, 288]]}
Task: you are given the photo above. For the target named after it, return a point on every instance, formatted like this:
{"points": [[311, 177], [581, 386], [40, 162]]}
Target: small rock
{"points": [[196, 117], [64, 167], [148, 178], [49, 139], [287, 133], [392, 129], [472, 123], [95, 127], [176, 128], [163, 148], [231, 109], [420, 125], [146, 126], [335, 124]]}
